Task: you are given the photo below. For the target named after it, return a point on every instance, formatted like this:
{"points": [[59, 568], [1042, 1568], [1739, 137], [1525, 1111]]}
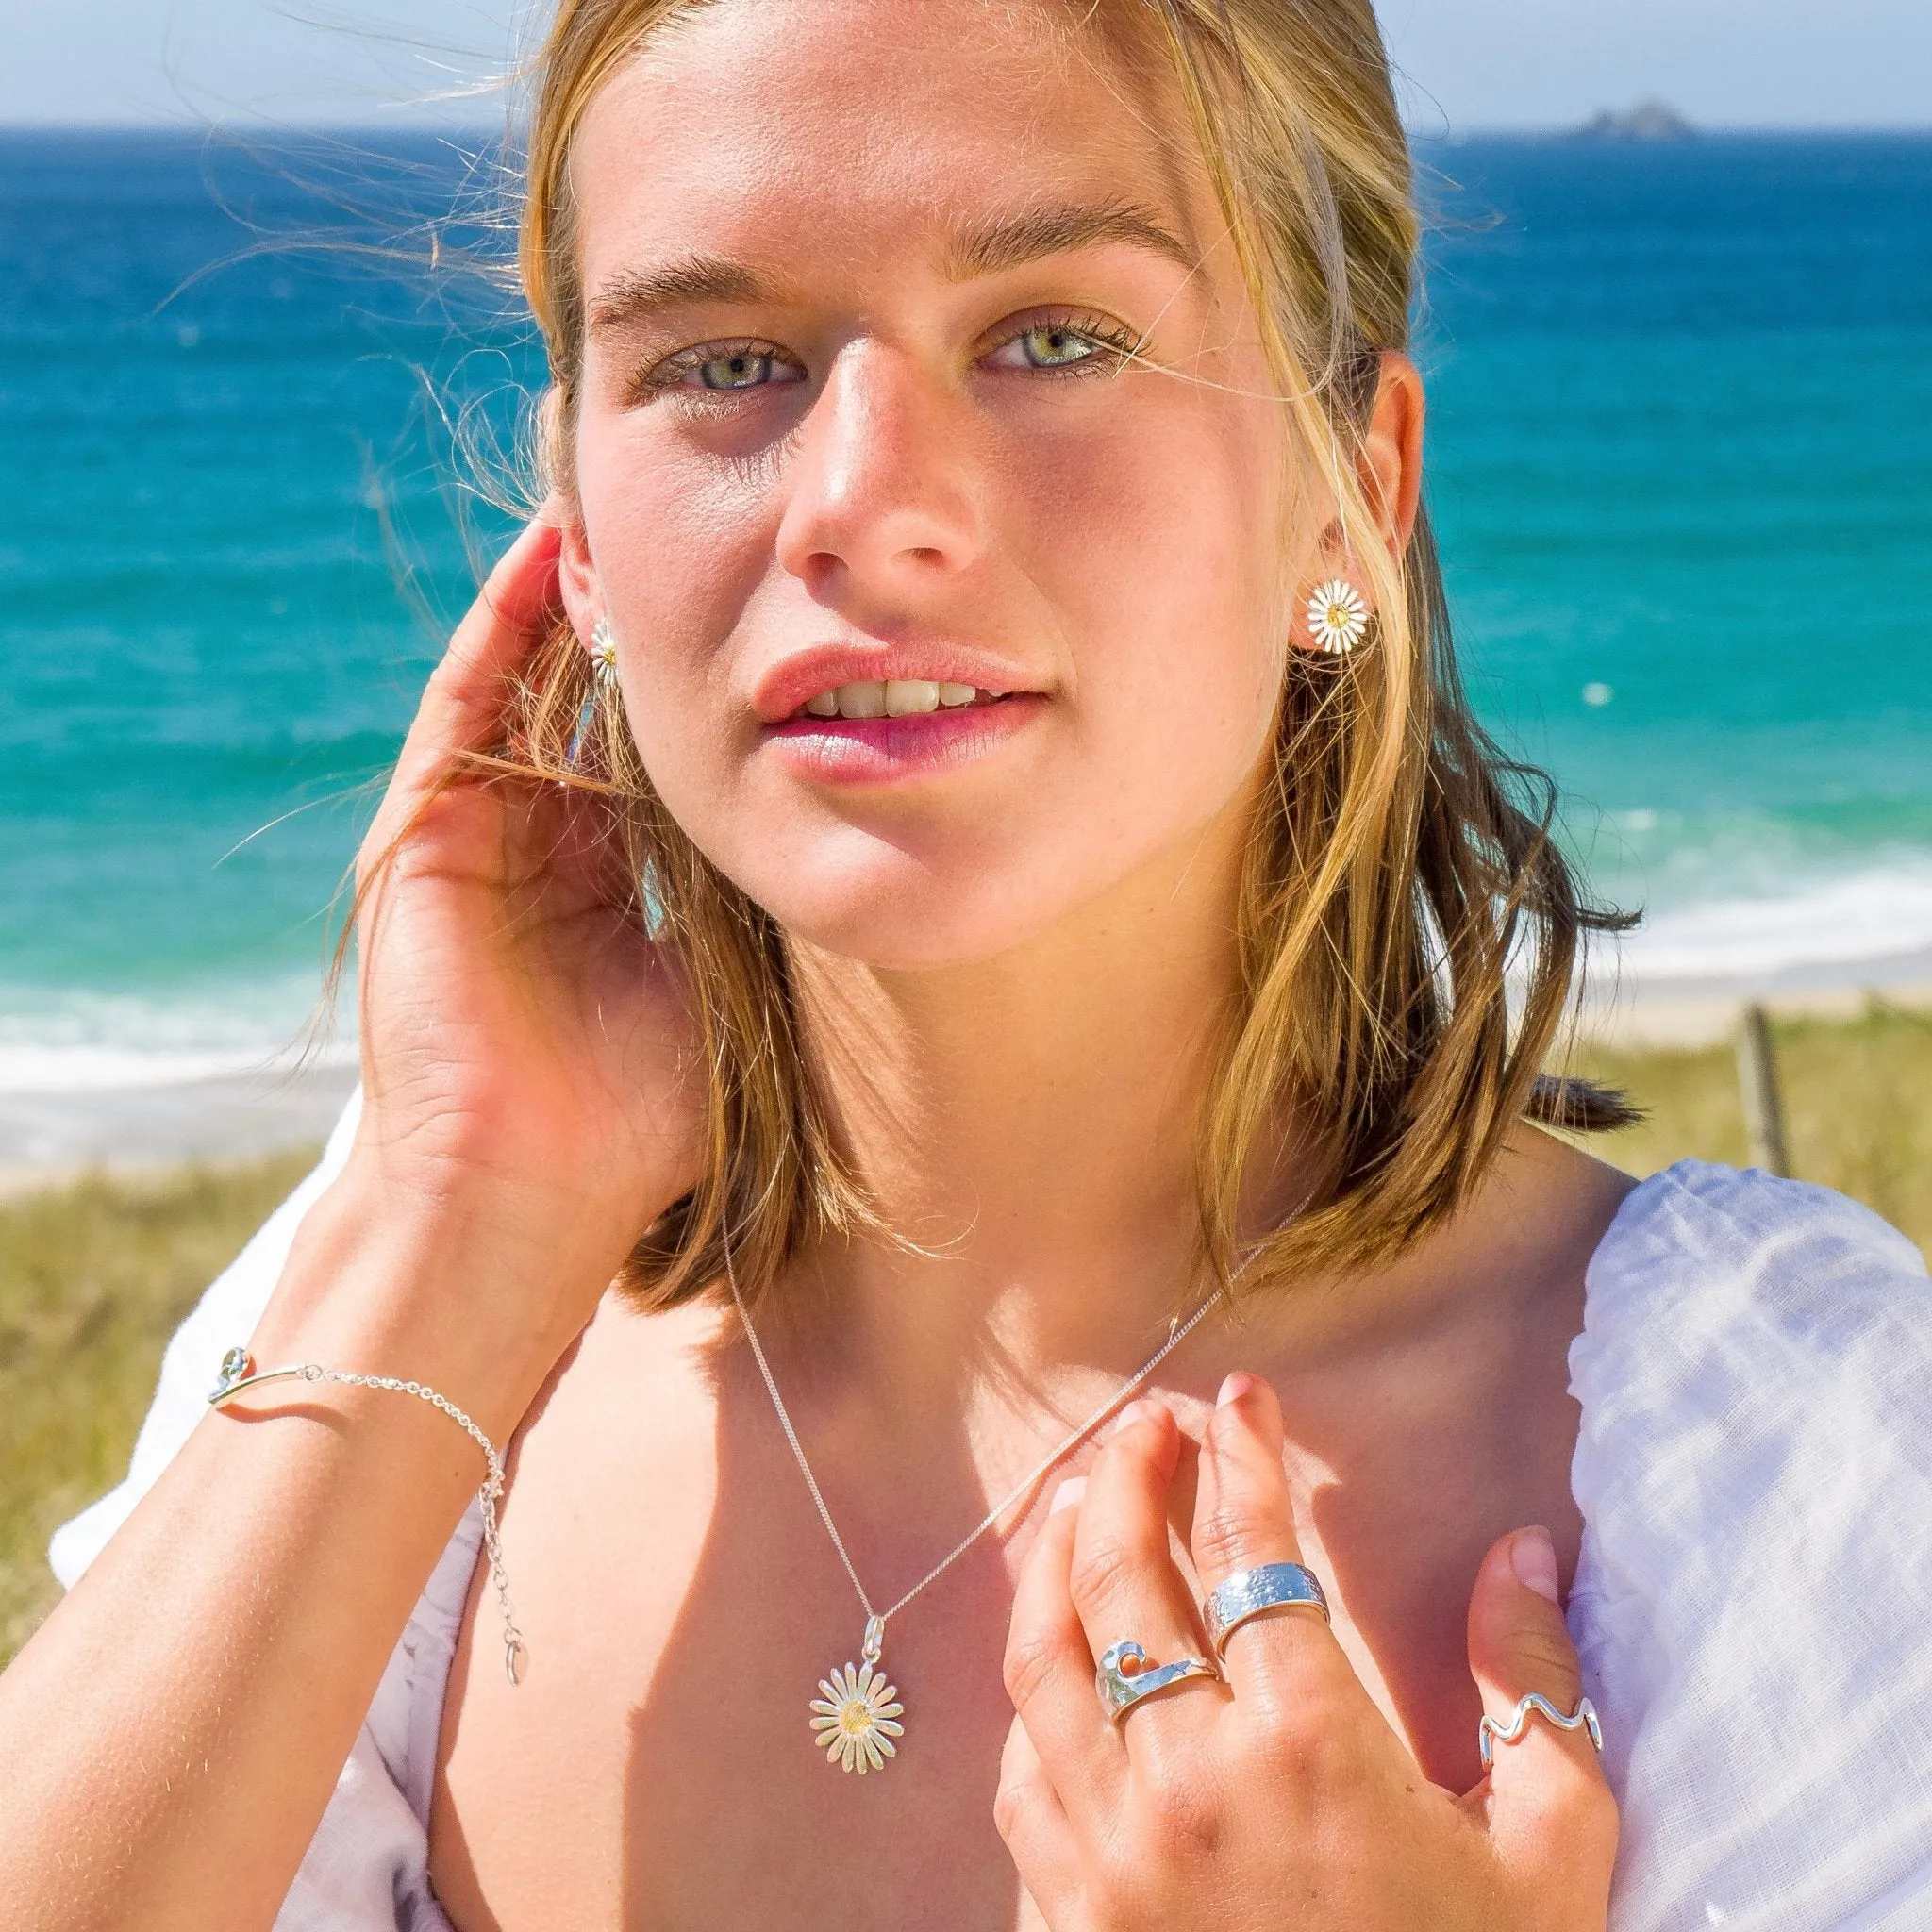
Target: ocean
{"points": [[1682, 471]]}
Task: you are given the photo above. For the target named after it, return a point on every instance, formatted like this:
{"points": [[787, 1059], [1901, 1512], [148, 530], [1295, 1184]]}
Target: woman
{"points": [[984, 602]]}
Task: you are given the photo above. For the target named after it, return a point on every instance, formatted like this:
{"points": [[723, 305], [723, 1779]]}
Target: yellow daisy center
{"points": [[854, 1719]]}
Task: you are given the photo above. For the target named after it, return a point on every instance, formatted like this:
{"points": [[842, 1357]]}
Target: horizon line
{"points": [[429, 125]]}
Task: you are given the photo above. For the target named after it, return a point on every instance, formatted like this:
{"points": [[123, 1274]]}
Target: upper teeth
{"points": [[896, 697]]}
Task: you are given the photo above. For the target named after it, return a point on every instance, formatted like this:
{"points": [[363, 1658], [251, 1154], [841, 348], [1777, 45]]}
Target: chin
{"points": [[905, 915]]}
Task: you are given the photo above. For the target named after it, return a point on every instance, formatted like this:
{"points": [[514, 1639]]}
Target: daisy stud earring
{"points": [[604, 652], [1337, 617]]}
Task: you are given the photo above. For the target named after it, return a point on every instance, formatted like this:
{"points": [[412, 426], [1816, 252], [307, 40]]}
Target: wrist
{"points": [[530, 1171], [414, 1277]]}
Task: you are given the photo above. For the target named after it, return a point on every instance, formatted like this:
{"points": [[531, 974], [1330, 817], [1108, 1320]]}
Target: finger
{"points": [[1551, 1816], [510, 617], [462, 704], [1039, 1835], [1049, 1672], [1125, 1584], [1244, 1518]]}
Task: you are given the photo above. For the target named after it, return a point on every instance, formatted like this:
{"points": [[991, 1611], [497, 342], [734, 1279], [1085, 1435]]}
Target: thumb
{"points": [[1552, 1820]]}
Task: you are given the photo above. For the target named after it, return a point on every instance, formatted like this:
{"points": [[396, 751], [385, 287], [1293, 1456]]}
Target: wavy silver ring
{"points": [[1582, 1718], [1248, 1592], [1120, 1689]]}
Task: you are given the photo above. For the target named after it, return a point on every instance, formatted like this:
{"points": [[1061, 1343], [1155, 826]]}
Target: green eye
{"points": [[741, 369], [1054, 346], [722, 368], [1086, 342]]}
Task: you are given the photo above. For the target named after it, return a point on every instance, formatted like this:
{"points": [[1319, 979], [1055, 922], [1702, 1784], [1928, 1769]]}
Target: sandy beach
{"points": [[1629, 1013], [47, 1138]]}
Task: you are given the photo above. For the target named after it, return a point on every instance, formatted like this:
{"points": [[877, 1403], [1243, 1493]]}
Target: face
{"points": [[925, 468]]}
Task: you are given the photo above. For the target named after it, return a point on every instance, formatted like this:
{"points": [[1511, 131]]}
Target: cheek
{"points": [[679, 546], [680, 549], [1152, 547]]}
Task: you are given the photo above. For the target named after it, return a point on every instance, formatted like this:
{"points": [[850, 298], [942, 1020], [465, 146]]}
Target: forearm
{"points": [[172, 1733]]}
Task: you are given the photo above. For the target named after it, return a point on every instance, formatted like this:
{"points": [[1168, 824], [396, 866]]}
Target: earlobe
{"points": [[1337, 617], [1334, 617]]}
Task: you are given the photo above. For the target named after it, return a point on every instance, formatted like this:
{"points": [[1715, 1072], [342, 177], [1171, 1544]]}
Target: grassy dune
{"points": [[93, 1278], [1858, 1104]]}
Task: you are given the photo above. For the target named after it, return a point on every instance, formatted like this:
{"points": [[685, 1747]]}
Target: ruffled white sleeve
{"points": [[367, 1869], [1754, 1473]]}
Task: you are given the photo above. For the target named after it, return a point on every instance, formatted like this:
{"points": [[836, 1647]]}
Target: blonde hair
{"points": [[1400, 872]]}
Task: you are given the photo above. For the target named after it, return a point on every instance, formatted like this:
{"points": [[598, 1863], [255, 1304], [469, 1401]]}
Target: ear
{"points": [[1391, 462], [576, 575]]}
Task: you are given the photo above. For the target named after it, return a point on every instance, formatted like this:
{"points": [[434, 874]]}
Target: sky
{"points": [[1468, 64]]}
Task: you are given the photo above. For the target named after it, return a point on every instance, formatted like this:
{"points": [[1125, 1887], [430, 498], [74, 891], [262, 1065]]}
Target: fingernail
{"points": [[1068, 1495], [1533, 1556], [1142, 1411], [1234, 1388]]}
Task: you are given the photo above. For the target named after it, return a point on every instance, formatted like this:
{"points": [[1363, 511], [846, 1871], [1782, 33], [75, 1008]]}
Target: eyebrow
{"points": [[1013, 240], [638, 294], [990, 248]]}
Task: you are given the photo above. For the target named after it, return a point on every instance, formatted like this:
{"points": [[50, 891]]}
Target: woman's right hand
{"points": [[531, 1103], [529, 1062]]}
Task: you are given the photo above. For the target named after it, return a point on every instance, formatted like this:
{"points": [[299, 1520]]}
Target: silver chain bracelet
{"points": [[237, 1371]]}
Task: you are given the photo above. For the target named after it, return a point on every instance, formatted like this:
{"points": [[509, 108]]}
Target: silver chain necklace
{"points": [[857, 1715]]}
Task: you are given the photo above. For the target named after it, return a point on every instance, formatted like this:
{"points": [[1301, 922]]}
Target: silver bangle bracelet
{"points": [[237, 1371]]}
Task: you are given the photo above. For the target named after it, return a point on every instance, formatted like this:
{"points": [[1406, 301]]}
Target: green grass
{"points": [[93, 1278], [1857, 1106]]}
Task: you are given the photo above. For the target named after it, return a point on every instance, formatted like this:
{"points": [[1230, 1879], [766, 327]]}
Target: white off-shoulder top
{"points": [[1751, 1603]]}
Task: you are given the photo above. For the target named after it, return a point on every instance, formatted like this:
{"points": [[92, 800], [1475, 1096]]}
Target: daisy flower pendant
{"points": [[855, 1719]]}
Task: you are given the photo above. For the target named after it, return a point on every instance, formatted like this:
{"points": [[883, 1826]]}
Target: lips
{"points": [[884, 750], [884, 682]]}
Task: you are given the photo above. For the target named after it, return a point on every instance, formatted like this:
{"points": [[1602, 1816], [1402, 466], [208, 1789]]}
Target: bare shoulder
{"points": [[1547, 1204], [613, 1485], [1520, 1247]]}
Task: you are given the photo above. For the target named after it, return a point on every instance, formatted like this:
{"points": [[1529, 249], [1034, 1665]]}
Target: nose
{"points": [[879, 505]]}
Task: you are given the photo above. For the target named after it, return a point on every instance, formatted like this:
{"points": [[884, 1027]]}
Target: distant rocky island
{"points": [[1650, 120]]}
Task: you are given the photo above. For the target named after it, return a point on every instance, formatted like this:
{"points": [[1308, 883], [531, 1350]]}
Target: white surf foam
{"points": [[1846, 922], [55, 1043]]}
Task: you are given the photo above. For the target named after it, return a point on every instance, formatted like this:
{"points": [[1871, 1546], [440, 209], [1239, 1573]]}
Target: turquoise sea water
{"points": [[1682, 468], [1684, 454]]}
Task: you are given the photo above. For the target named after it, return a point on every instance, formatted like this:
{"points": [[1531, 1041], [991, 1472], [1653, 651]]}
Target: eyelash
{"points": [[1115, 343]]}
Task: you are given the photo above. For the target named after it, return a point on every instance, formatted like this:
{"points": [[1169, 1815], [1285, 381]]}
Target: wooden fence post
{"points": [[1764, 1114]]}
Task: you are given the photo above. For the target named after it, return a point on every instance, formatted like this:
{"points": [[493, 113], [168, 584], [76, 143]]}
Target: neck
{"points": [[1028, 1125]]}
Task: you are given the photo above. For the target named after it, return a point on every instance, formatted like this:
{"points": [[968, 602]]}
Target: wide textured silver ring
{"points": [[1125, 1677], [1584, 1718], [1249, 1592]]}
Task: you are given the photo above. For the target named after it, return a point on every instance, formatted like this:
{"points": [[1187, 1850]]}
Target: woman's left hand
{"points": [[1280, 1797]]}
